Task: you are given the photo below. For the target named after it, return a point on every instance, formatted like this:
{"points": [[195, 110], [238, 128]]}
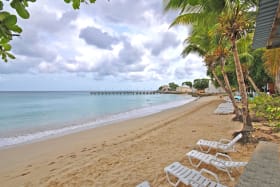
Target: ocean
{"points": [[31, 116]]}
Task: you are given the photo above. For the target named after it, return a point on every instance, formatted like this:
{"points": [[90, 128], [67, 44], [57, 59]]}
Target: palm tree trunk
{"points": [[217, 79], [253, 84], [247, 123], [277, 83], [228, 89]]}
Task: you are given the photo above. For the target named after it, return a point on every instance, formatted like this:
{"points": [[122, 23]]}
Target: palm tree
{"points": [[234, 22], [272, 65], [246, 58], [210, 46]]}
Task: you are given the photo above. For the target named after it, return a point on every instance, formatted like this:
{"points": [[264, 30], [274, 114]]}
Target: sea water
{"points": [[31, 116]]}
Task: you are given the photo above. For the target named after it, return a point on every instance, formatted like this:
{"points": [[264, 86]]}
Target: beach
{"points": [[124, 153]]}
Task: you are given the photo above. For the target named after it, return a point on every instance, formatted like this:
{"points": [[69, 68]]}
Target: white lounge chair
{"points": [[190, 177], [224, 145], [143, 184], [221, 164]]}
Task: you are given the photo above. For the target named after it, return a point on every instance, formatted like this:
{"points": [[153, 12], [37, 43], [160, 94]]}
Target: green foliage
{"points": [[173, 86], [9, 27], [267, 107], [188, 83], [76, 3], [200, 84], [258, 72]]}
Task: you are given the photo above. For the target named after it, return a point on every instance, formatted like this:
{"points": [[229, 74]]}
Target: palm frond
{"points": [[185, 19], [175, 5], [193, 48]]}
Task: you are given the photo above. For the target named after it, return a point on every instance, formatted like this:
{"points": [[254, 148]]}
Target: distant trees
{"points": [[187, 83], [201, 84], [173, 86]]}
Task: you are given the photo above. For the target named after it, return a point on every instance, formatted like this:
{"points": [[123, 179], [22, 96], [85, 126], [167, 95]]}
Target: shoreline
{"points": [[121, 154], [37, 136]]}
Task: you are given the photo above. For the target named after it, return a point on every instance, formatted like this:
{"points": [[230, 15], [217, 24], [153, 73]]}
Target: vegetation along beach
{"points": [[140, 93]]}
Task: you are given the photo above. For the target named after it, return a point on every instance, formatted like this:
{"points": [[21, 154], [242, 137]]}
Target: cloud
{"points": [[192, 69], [30, 46], [125, 11], [162, 42], [124, 40], [129, 54], [21, 66], [97, 37]]}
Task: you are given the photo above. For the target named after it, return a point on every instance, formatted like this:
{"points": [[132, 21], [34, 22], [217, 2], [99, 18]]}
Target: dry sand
{"points": [[122, 154]]}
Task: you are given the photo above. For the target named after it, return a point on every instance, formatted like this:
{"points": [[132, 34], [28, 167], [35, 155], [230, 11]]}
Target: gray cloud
{"points": [[94, 36], [129, 60], [19, 66], [164, 41], [125, 11], [129, 54], [192, 68], [31, 45]]}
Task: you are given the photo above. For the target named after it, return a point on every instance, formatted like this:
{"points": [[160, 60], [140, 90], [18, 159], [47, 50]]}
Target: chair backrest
{"points": [[234, 140]]}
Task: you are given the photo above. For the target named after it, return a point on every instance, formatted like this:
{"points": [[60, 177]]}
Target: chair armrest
{"points": [[223, 155], [203, 170], [214, 163], [224, 141]]}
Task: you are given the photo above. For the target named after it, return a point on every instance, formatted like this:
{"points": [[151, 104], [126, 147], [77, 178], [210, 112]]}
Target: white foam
{"points": [[27, 138]]}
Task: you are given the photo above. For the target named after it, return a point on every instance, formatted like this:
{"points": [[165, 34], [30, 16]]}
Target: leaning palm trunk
{"points": [[277, 83], [228, 90], [253, 84], [218, 80], [247, 123]]}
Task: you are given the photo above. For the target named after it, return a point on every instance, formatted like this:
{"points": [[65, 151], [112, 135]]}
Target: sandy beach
{"points": [[122, 154]]}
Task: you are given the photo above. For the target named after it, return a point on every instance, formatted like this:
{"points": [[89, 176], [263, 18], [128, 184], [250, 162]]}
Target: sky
{"points": [[109, 45]]}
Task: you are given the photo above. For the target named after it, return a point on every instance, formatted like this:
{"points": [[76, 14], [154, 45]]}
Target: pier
{"points": [[126, 92]]}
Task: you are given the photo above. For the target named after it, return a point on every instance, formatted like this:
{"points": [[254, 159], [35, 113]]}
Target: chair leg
{"points": [[201, 148], [228, 172], [172, 183], [194, 165]]}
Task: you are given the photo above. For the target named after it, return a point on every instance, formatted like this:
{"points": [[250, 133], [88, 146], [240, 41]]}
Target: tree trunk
{"points": [[247, 123], [229, 91], [218, 80], [277, 82], [253, 84]]}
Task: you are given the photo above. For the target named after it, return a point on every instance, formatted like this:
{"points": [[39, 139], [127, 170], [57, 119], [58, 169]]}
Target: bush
{"points": [[267, 107]]}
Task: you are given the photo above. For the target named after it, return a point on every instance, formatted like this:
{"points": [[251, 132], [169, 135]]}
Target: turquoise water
{"points": [[28, 116]]}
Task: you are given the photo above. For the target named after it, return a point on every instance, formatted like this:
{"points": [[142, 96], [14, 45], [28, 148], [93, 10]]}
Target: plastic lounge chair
{"points": [[224, 145], [190, 177], [143, 184], [225, 164]]}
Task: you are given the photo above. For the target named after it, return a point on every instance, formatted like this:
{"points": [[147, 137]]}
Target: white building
{"points": [[212, 89], [185, 89]]}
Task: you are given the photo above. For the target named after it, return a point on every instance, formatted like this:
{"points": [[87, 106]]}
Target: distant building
{"points": [[212, 89], [185, 89], [164, 88]]}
